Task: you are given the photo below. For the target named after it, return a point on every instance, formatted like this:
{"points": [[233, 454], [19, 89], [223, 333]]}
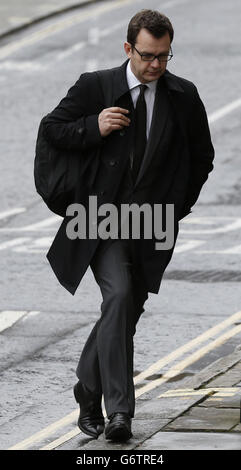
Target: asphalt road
{"points": [[201, 288]]}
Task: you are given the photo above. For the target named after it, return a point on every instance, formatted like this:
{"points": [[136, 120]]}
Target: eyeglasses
{"points": [[150, 57]]}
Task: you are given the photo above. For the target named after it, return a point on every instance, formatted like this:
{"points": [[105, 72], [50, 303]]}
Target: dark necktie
{"points": [[140, 132]]}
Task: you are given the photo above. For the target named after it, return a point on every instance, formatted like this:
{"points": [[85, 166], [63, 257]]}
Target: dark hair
{"points": [[154, 21]]}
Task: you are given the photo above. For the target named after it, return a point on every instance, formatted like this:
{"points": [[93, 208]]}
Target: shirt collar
{"points": [[133, 81]]}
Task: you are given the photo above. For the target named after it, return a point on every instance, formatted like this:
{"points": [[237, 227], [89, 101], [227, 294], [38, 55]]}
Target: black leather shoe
{"points": [[119, 427], [91, 420]]}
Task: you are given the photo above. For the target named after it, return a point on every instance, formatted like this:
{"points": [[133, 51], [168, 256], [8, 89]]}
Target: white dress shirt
{"points": [[149, 95]]}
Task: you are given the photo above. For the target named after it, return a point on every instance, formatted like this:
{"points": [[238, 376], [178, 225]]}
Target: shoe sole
{"points": [[119, 433]]}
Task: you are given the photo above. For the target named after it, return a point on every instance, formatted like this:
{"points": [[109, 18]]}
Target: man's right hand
{"points": [[111, 119]]}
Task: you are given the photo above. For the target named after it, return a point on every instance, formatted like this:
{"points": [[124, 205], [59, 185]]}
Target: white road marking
{"points": [[46, 223], [14, 242], [24, 65], [33, 246], [93, 36], [107, 31], [28, 250], [37, 246], [31, 314], [42, 242], [62, 55], [42, 225], [10, 212], [9, 317], [224, 111], [186, 245], [91, 40], [206, 220], [235, 250], [236, 225]]}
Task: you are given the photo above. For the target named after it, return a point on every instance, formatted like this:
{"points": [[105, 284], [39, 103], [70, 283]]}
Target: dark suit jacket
{"points": [[176, 164]]}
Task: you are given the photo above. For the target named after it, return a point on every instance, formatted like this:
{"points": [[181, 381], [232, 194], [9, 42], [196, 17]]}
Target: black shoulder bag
{"points": [[57, 172]]}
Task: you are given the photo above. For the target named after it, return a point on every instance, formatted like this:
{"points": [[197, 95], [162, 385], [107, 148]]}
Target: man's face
{"points": [[146, 43]]}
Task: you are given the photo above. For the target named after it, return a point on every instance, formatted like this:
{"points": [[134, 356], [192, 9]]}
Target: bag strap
{"points": [[106, 80]]}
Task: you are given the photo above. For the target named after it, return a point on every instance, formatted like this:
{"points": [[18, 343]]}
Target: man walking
{"points": [[153, 146]]}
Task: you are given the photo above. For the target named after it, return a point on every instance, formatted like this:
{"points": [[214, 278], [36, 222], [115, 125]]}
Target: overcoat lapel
{"points": [[162, 122]]}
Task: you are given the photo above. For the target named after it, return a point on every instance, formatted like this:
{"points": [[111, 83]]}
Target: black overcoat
{"points": [[181, 166]]}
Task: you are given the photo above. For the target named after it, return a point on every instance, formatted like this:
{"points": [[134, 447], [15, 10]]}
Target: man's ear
{"points": [[127, 47]]}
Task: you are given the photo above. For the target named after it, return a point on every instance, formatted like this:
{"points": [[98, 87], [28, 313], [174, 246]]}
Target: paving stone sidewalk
{"points": [[202, 413], [206, 408], [17, 14]]}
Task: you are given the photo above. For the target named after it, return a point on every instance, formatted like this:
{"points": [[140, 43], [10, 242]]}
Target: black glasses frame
{"points": [[168, 56]]}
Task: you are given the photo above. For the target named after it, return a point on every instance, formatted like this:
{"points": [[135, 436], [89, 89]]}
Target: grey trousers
{"points": [[106, 361]]}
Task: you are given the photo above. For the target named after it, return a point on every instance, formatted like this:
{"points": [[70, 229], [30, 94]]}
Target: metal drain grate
{"points": [[204, 276]]}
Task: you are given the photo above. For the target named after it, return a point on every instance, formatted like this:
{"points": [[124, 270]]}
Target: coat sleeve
{"points": [[201, 150], [69, 125]]}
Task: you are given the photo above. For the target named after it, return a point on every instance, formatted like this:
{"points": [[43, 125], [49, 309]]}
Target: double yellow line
{"points": [[154, 368]]}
